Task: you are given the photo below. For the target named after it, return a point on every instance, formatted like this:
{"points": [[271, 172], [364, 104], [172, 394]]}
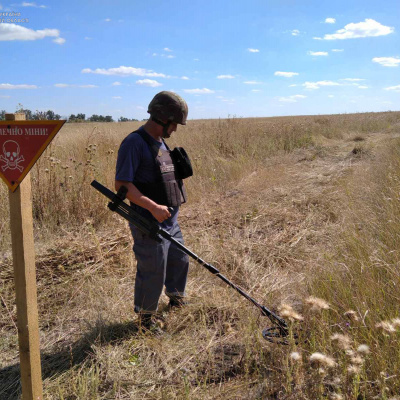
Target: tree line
{"points": [[38, 115], [51, 115]]}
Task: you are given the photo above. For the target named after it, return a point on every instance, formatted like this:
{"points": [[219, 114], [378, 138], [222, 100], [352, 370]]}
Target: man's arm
{"points": [[159, 212]]}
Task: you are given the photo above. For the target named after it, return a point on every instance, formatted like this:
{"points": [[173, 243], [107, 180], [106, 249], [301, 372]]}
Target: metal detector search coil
{"points": [[278, 334]]}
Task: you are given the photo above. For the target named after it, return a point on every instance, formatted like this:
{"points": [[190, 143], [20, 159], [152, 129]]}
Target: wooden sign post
{"points": [[25, 287], [16, 144]]}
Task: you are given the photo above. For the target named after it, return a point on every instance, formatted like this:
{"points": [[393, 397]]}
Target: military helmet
{"points": [[168, 106]]}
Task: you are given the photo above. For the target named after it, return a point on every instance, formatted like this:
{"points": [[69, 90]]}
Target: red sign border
{"points": [[59, 125]]}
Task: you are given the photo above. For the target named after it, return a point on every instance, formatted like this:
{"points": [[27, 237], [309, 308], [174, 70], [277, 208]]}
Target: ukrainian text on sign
{"points": [[21, 144]]}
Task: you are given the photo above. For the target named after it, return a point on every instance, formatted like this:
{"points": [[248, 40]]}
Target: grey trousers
{"points": [[158, 264]]}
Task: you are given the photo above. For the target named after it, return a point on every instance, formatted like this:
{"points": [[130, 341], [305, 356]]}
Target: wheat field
{"points": [[301, 212]]}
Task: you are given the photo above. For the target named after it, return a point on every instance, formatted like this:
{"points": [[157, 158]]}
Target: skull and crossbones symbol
{"points": [[11, 156]]}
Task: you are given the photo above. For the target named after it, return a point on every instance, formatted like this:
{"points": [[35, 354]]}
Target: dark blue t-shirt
{"points": [[135, 162]]}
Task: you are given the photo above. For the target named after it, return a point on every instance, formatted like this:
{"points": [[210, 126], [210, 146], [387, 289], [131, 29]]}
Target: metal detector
{"points": [[277, 334]]}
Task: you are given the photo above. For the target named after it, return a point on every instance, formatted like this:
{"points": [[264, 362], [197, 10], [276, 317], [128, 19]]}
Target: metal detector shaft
{"points": [[265, 311], [152, 229]]}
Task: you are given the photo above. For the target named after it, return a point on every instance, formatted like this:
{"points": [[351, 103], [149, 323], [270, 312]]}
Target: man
{"points": [[145, 168]]}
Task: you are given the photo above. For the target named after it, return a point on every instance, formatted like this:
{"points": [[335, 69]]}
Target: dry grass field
{"points": [[301, 212]]}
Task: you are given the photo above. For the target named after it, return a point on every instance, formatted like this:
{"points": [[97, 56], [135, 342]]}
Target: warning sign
{"points": [[21, 144]]}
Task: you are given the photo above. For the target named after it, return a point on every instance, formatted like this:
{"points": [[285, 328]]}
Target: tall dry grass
{"points": [[223, 151], [214, 349], [361, 283]]}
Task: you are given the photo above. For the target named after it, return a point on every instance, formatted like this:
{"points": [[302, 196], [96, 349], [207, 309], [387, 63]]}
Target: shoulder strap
{"points": [[153, 147], [165, 144]]}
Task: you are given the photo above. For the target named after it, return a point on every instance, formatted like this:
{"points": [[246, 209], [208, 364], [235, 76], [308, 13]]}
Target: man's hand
{"points": [[160, 213]]}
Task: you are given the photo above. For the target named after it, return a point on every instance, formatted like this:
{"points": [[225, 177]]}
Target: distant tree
{"points": [[77, 118], [101, 118], [2, 115], [39, 115], [51, 115], [123, 119]]}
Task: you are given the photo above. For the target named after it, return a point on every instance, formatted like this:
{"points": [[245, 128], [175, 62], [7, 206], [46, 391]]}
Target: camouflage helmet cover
{"points": [[169, 106]]}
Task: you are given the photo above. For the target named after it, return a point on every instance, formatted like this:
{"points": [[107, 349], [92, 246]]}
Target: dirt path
{"points": [[283, 215]]}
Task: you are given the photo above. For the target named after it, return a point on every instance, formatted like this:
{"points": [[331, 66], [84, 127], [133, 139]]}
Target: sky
{"points": [[253, 58]]}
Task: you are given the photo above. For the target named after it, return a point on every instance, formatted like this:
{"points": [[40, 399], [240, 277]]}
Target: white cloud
{"points": [[59, 40], [64, 85], [331, 96], [286, 74], [337, 50], [107, 20], [368, 28], [117, 84], [352, 79], [164, 55], [295, 32], [124, 71], [395, 88], [88, 38], [9, 32], [256, 90], [148, 82], [363, 87], [225, 77], [25, 4], [9, 86], [185, 78], [196, 59], [226, 100], [295, 84], [252, 83], [4, 97], [116, 97], [253, 50], [198, 91], [317, 85], [317, 53], [292, 99], [387, 61], [330, 20], [167, 49]]}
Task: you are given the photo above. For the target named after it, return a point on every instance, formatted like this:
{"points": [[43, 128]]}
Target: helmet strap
{"points": [[164, 125]]}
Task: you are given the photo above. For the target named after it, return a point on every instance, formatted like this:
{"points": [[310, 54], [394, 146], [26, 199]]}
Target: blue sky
{"points": [[245, 58]]}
